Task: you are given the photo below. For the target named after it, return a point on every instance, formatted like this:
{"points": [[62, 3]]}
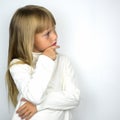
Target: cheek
{"points": [[37, 45], [40, 45]]}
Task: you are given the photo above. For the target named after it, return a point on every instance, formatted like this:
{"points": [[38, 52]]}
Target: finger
{"points": [[25, 115], [21, 108], [30, 115], [55, 47], [23, 112]]}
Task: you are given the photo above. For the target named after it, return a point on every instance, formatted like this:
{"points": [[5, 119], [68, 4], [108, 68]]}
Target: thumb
{"points": [[55, 47]]}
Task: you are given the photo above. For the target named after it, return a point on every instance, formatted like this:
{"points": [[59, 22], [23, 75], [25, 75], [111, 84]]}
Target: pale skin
{"points": [[45, 42]]}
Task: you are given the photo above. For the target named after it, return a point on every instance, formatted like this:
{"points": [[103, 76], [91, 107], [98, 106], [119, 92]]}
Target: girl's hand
{"points": [[51, 52], [27, 110]]}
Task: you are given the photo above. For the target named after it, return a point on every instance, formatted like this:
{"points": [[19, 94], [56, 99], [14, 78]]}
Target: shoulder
{"points": [[17, 67], [17, 63]]}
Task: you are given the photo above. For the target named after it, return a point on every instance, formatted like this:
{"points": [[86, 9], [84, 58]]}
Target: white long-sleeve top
{"points": [[49, 84]]}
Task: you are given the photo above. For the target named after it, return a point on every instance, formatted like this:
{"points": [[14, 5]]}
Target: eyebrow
{"points": [[49, 29]]}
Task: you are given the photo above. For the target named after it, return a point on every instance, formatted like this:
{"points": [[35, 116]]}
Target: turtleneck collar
{"points": [[36, 53]]}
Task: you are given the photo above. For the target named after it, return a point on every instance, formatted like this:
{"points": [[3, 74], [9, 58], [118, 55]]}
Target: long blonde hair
{"points": [[25, 23]]}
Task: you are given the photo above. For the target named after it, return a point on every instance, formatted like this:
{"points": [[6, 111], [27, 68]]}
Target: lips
{"points": [[54, 44]]}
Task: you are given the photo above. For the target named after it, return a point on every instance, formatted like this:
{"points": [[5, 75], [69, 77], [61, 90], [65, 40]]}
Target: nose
{"points": [[54, 36]]}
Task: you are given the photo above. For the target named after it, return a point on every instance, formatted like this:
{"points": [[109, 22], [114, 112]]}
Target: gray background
{"points": [[89, 33]]}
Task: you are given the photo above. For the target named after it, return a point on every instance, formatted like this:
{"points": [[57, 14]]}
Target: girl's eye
{"points": [[47, 34]]}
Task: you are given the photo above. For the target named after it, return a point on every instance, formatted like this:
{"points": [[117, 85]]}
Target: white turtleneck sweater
{"points": [[49, 84]]}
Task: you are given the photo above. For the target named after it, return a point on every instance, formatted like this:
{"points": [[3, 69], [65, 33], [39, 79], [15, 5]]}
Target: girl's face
{"points": [[45, 39]]}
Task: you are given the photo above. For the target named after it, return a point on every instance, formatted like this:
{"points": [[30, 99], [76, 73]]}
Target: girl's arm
{"points": [[61, 100], [66, 99], [33, 85]]}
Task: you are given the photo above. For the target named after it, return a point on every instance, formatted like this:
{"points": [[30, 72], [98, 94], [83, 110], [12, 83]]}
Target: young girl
{"points": [[40, 81]]}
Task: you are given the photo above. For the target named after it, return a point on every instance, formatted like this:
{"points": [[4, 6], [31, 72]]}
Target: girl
{"points": [[40, 81]]}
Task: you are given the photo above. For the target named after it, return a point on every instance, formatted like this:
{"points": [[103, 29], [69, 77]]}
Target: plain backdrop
{"points": [[89, 33]]}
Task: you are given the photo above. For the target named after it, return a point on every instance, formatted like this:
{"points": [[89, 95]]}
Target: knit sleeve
{"points": [[66, 99], [32, 86]]}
